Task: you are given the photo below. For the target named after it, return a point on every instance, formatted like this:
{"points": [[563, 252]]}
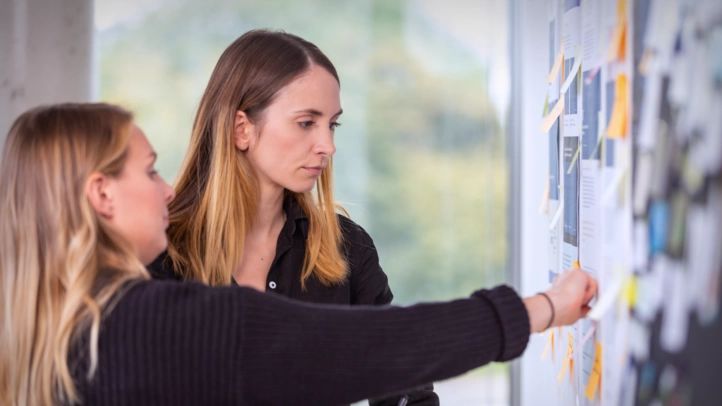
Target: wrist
{"points": [[552, 317], [539, 312]]}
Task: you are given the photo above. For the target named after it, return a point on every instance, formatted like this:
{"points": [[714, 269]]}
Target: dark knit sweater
{"points": [[167, 343]]}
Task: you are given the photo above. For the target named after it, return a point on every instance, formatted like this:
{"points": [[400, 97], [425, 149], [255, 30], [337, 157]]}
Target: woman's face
{"points": [[294, 142], [139, 200]]}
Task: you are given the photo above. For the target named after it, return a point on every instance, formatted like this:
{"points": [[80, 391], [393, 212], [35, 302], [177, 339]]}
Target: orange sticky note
{"points": [[568, 362], [576, 265], [550, 338], [617, 127], [553, 115], [549, 346], [595, 377], [618, 43], [557, 63], [645, 62], [620, 51]]}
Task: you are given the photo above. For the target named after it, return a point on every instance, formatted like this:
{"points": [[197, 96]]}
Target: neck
{"points": [[270, 211]]}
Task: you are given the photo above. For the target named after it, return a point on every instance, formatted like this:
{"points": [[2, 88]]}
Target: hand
{"points": [[570, 293]]}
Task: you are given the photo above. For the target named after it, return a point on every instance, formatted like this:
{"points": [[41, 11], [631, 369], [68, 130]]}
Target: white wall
{"points": [[537, 379], [45, 54]]}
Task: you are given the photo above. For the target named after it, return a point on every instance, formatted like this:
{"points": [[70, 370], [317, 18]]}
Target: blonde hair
{"points": [[54, 246], [217, 191]]}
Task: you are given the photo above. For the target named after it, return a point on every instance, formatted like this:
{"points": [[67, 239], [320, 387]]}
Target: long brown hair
{"points": [[54, 246], [217, 191]]}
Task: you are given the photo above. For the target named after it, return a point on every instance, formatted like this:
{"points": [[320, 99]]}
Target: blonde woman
{"points": [[245, 214], [83, 211]]}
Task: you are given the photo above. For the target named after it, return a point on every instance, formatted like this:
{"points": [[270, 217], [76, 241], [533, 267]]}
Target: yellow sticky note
{"points": [[553, 115], [575, 264], [596, 376], [546, 106], [629, 291], [574, 159], [568, 362], [617, 127], [557, 64]]}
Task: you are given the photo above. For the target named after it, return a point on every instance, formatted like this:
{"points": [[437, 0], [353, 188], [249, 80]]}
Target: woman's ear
{"points": [[99, 195], [242, 130]]}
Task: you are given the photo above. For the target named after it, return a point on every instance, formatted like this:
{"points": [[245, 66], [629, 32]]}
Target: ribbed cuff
{"points": [[513, 318]]}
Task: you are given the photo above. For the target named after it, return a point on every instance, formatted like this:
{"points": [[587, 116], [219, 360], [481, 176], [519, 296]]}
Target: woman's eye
{"points": [[334, 125], [307, 124]]}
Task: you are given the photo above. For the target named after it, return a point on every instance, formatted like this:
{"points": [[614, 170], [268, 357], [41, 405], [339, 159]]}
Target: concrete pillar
{"points": [[46, 55]]}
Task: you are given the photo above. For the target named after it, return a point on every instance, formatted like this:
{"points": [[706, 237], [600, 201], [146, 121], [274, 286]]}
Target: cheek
{"points": [[276, 152]]}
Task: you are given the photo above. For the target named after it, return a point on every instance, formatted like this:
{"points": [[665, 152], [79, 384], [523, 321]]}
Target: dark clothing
{"points": [[366, 283], [167, 343]]}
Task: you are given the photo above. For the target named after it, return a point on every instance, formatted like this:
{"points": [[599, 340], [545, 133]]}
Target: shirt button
{"points": [[272, 285]]}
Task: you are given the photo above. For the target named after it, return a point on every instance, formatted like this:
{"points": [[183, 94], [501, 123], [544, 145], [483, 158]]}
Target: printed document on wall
{"points": [[590, 181]]}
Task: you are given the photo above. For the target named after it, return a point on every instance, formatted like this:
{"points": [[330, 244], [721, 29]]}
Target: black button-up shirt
{"points": [[366, 283]]}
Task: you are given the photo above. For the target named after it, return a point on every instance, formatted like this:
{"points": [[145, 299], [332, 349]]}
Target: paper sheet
{"points": [[639, 340], [650, 289], [675, 319], [704, 258]]}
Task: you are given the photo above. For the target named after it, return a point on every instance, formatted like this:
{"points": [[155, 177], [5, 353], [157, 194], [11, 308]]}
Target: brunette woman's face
{"points": [[294, 141], [139, 200]]}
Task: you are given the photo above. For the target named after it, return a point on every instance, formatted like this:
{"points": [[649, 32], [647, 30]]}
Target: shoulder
{"points": [[369, 283], [147, 303], [162, 268], [354, 236]]}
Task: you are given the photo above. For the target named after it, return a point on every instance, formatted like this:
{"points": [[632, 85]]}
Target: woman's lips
{"points": [[315, 170]]}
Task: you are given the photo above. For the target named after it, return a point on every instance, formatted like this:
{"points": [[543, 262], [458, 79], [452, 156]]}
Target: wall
{"points": [[536, 380], [46, 50]]}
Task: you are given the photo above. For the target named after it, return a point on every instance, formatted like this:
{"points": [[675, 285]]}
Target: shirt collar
{"points": [[294, 215]]}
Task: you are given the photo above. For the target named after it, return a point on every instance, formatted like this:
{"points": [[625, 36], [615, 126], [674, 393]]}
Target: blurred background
{"points": [[421, 160]]}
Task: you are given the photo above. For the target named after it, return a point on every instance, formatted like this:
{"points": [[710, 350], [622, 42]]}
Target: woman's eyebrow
{"points": [[315, 112]]}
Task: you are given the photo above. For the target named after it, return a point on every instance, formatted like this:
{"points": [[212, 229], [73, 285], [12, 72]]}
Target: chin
{"points": [[301, 188]]}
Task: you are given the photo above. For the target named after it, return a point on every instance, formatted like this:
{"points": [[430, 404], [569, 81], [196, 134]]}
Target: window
{"points": [[421, 158]]}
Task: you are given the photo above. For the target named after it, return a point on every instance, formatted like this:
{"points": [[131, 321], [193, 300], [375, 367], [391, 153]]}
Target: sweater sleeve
{"points": [[336, 355], [173, 343]]}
